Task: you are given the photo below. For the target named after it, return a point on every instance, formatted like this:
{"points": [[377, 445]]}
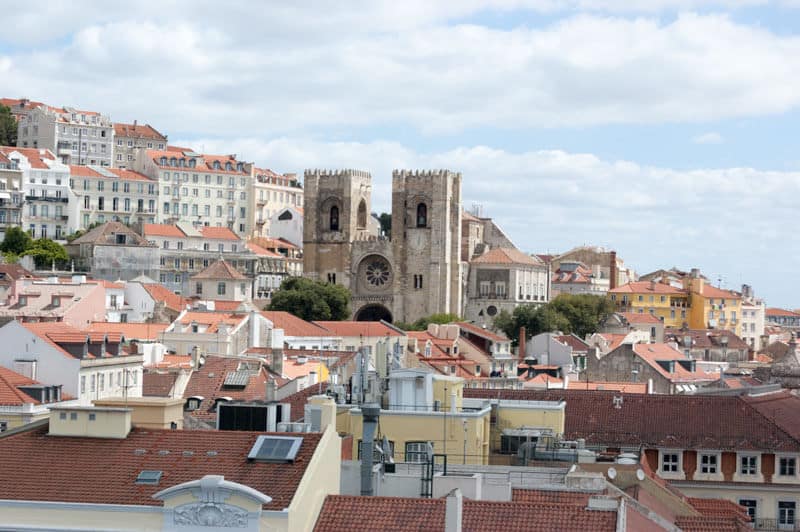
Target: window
{"points": [[92, 416], [750, 506], [748, 465], [708, 464], [787, 466], [670, 462], [334, 218], [417, 451], [376, 453], [83, 384], [422, 215], [220, 289], [198, 288], [332, 278], [418, 282], [786, 511]]}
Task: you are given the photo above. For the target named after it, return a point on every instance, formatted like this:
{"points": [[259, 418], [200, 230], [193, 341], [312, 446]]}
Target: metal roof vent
{"points": [[139, 452], [211, 453], [149, 476], [188, 453]]}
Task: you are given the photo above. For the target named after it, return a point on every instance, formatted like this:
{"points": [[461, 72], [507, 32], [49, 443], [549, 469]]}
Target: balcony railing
{"points": [[771, 525]]}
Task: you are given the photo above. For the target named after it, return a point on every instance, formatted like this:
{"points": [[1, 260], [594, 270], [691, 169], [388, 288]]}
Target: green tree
{"points": [[312, 300], [45, 251], [535, 318], [385, 220], [8, 127], [16, 241], [583, 311]]}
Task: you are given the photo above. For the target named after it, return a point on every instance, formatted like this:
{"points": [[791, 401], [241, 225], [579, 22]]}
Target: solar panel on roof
{"points": [[275, 448], [237, 379]]}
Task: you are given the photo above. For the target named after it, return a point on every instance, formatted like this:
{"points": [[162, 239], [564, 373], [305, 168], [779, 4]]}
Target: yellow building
{"points": [[667, 302], [696, 304], [712, 307], [429, 409]]}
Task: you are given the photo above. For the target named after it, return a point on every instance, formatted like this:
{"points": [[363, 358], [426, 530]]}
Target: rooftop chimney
{"points": [[370, 413], [454, 510], [272, 391], [522, 340], [612, 271]]}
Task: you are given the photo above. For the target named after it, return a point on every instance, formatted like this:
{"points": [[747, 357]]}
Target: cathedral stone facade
{"points": [[416, 272]]}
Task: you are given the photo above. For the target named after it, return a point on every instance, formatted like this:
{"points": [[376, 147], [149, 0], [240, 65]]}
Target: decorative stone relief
{"points": [[211, 514]]}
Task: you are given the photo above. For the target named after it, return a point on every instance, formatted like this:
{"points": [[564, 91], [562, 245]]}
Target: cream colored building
{"points": [[131, 141], [113, 195], [212, 190], [171, 480], [273, 192]]}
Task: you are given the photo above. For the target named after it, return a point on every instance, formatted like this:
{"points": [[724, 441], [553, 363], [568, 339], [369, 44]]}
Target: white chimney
{"points": [[454, 510]]}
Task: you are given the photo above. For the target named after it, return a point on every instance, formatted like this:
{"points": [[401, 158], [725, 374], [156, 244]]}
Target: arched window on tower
{"points": [[362, 215], [422, 215], [334, 218]]}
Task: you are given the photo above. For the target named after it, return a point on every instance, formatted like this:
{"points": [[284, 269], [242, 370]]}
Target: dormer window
{"points": [[228, 166], [163, 161], [23, 300], [239, 167], [173, 162], [56, 301], [216, 165]]}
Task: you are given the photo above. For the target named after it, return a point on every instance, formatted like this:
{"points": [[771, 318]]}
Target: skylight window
{"points": [[149, 476], [280, 449]]}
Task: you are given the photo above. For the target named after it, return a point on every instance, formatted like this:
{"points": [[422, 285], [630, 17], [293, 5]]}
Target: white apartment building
{"points": [[272, 193], [287, 224], [11, 195], [210, 190], [113, 195], [131, 141], [753, 318], [76, 137], [49, 209]]}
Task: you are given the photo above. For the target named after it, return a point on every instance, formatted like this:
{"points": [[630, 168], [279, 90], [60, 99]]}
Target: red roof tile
{"points": [[677, 421], [163, 230], [635, 317], [356, 514], [131, 331], [294, 326], [162, 294], [10, 395], [480, 331], [45, 466], [505, 256], [36, 156], [219, 233], [646, 287], [139, 131], [220, 269], [628, 387], [158, 384], [357, 328]]}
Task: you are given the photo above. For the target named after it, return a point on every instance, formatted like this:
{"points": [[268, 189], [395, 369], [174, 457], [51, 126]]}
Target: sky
{"points": [[664, 129]]}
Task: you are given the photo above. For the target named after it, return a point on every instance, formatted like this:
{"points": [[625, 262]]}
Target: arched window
{"points": [[334, 218], [422, 215], [216, 165], [173, 162], [362, 215], [163, 161], [228, 166]]}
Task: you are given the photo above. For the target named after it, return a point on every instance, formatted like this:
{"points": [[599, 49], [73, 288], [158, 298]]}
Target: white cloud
{"points": [[711, 137], [582, 70]]}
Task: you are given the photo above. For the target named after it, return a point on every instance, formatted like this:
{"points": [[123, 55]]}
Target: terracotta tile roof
{"points": [[294, 326], [220, 269], [761, 357], [646, 287], [211, 319], [781, 312], [542, 379], [106, 234], [218, 233], [258, 250], [357, 328], [526, 496], [204, 163], [55, 332], [505, 256], [162, 230], [36, 156], [705, 338], [293, 369], [614, 340], [139, 131], [12, 272], [713, 291], [162, 294], [221, 305], [175, 362], [480, 331], [45, 465], [577, 345], [131, 331], [666, 421], [718, 507], [158, 384], [10, 394], [273, 243], [356, 514], [208, 382], [627, 387], [635, 317], [653, 353], [780, 408], [298, 400], [712, 524]]}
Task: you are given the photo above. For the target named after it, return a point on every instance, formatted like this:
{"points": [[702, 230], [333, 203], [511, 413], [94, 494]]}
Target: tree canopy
{"points": [[312, 300], [385, 219], [422, 323], [16, 241], [45, 251], [8, 127], [580, 314]]}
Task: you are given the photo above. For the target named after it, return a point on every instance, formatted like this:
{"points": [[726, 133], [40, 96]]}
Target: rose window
{"points": [[377, 272]]}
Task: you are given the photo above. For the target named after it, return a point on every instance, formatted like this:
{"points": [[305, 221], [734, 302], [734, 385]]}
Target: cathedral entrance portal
{"points": [[374, 312]]}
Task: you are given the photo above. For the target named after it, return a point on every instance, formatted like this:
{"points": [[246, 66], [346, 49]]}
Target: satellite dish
{"points": [[612, 473], [640, 474]]}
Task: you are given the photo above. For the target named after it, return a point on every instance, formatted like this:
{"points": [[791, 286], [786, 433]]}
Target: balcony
{"points": [[772, 525], [46, 198]]}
